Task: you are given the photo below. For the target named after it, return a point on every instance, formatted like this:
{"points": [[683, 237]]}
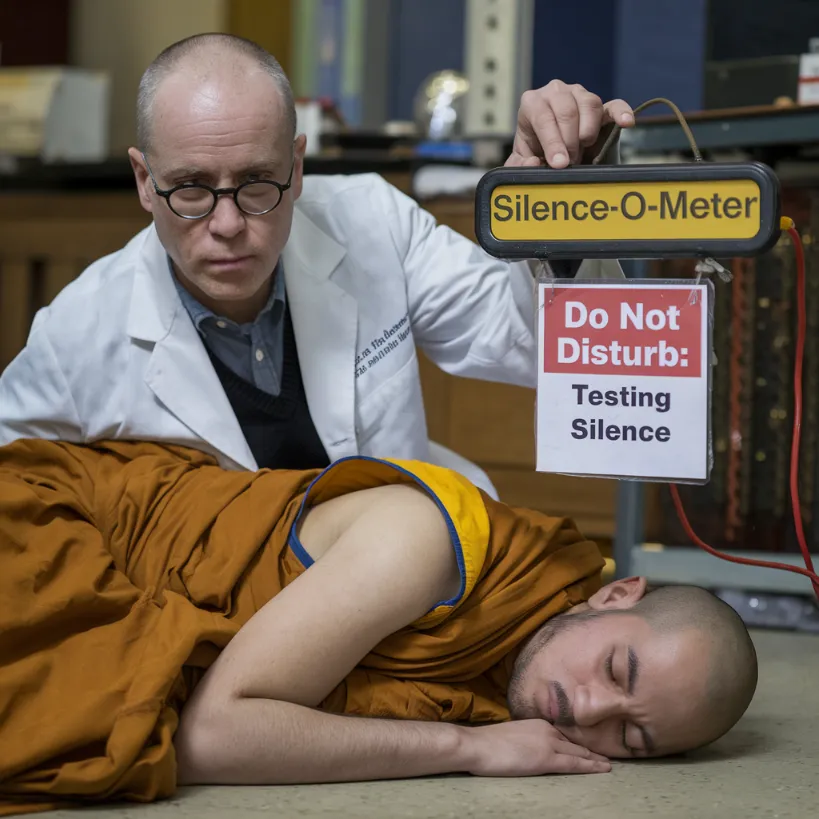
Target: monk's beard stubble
{"points": [[521, 705]]}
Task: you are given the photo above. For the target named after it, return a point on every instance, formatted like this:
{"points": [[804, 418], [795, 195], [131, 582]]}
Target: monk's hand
{"points": [[528, 748], [559, 122]]}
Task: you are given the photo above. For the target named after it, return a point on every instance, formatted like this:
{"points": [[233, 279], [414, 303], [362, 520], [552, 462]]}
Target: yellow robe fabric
{"points": [[126, 567]]}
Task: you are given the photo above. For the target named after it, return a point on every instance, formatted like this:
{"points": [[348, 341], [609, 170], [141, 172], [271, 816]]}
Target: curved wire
{"points": [[680, 117]]}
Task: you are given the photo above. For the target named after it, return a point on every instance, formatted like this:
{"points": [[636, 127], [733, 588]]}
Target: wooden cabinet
{"points": [[46, 240]]}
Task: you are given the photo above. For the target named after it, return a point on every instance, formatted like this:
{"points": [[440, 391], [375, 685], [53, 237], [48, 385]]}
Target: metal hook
{"points": [[545, 273]]}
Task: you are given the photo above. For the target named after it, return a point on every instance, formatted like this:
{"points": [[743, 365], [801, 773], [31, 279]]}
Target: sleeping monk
{"points": [[164, 622]]}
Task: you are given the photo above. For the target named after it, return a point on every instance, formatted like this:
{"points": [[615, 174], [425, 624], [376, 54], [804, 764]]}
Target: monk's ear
{"points": [[620, 594]]}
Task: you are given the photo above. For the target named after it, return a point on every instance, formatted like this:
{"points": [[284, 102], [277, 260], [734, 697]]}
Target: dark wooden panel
{"points": [[493, 423], [34, 32], [15, 309], [89, 206], [437, 390], [590, 502], [266, 23]]}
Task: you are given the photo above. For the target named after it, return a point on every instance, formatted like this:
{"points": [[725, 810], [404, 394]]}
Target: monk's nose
{"points": [[592, 706]]}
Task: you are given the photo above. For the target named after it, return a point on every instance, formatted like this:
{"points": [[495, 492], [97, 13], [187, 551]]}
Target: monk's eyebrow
{"points": [[633, 670], [633, 673]]}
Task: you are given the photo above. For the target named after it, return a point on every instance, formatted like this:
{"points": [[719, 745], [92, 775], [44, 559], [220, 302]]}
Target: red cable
{"points": [[797, 394], [797, 431]]}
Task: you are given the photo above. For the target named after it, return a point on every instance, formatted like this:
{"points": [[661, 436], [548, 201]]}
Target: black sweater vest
{"points": [[279, 429]]}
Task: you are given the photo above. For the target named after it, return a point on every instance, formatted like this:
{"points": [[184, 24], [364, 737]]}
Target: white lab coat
{"points": [[369, 277]]}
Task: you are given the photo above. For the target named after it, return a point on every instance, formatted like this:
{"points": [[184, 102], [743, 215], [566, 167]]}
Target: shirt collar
{"points": [[199, 313]]}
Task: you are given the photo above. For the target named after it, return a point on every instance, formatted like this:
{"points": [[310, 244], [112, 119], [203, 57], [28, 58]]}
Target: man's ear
{"points": [[299, 148], [143, 181], [619, 594]]}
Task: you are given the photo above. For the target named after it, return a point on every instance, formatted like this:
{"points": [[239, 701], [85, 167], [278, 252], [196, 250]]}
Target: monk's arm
{"points": [[253, 718]]}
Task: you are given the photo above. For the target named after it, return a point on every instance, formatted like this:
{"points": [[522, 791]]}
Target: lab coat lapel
{"points": [[325, 322], [180, 373]]}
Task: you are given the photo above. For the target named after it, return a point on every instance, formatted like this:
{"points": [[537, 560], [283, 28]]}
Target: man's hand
{"points": [[528, 748], [558, 122]]}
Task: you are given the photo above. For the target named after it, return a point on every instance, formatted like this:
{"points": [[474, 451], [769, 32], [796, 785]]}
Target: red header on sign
{"points": [[652, 330]]}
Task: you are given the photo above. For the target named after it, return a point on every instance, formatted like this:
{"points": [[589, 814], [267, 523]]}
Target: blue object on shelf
{"points": [[444, 150]]}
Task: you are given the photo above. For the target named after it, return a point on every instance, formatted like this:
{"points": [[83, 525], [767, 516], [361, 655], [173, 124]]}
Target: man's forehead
{"points": [[229, 140], [186, 106], [218, 119], [204, 91], [232, 73]]}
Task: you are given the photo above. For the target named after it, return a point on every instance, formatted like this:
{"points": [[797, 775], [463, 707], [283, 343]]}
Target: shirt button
{"points": [[221, 325], [259, 355]]}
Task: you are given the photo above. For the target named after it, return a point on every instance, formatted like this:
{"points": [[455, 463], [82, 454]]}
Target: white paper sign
{"points": [[808, 79], [623, 379]]}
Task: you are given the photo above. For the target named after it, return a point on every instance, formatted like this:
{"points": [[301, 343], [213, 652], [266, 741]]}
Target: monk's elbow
{"points": [[199, 744]]}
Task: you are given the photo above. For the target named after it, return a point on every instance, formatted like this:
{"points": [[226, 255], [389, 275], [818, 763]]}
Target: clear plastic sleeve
{"points": [[692, 433]]}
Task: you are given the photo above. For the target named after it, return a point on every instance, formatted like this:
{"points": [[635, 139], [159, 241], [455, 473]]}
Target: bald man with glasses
{"points": [[269, 320]]}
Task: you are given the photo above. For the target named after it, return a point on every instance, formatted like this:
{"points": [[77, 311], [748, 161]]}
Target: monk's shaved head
{"points": [[637, 672], [728, 651], [202, 57]]}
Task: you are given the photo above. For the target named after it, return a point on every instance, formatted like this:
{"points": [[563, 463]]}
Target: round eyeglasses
{"points": [[196, 201]]}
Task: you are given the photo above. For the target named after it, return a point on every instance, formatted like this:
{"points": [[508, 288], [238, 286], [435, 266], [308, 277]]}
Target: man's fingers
{"points": [[568, 763], [515, 160], [551, 136], [570, 749], [567, 114], [590, 115], [618, 112], [557, 122], [539, 133]]}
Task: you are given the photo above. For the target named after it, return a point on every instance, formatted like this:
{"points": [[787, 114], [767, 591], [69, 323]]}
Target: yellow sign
{"points": [[622, 211]]}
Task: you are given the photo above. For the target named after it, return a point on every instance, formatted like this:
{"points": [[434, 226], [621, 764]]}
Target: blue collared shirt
{"points": [[252, 350]]}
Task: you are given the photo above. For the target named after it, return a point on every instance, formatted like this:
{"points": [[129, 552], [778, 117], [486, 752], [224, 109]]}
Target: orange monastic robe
{"points": [[126, 567]]}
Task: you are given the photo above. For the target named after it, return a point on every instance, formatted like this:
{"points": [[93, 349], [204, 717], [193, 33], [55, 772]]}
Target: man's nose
{"points": [[595, 705], [226, 219]]}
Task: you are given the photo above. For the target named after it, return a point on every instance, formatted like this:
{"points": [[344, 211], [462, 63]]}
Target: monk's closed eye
{"points": [[624, 726], [628, 748], [610, 667]]}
